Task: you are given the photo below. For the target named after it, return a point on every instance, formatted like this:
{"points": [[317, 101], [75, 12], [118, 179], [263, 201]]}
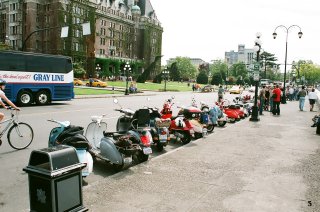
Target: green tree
{"points": [[78, 69], [239, 70], [202, 77], [267, 61], [174, 72], [216, 78], [310, 72], [221, 67], [184, 67]]}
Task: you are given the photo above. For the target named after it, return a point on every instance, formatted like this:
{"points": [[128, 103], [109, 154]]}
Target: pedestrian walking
{"points": [[220, 92], [296, 91], [267, 99], [312, 98], [291, 93], [90, 82], [270, 99], [262, 97], [276, 95], [302, 96]]}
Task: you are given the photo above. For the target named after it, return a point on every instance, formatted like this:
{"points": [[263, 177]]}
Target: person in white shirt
{"points": [[3, 97], [291, 93], [312, 98]]}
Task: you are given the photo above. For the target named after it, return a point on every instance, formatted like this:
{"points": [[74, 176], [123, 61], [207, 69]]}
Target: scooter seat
{"points": [[115, 134]]}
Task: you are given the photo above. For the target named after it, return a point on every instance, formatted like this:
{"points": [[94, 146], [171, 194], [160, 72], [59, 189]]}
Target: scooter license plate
{"points": [[163, 138], [147, 151], [204, 130]]}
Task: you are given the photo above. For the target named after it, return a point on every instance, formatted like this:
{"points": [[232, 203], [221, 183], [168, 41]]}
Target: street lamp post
{"points": [[255, 109], [283, 100], [165, 73], [98, 69], [127, 69]]}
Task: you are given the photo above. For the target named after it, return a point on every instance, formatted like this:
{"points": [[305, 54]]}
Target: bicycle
{"points": [[20, 134]]}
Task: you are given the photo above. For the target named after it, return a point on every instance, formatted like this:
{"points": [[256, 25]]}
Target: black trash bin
{"points": [[55, 181]]}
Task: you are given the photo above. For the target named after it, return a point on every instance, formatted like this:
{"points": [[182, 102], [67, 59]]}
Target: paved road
{"points": [[13, 181]]}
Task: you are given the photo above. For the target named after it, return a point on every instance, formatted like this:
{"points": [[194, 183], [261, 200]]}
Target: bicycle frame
{"points": [[11, 121]]}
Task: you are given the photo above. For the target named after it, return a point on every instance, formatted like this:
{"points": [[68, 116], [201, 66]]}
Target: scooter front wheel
{"points": [[221, 123], [210, 128]]}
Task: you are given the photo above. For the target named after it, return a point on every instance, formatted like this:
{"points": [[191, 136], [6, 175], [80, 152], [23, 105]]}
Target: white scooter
{"points": [[67, 134]]}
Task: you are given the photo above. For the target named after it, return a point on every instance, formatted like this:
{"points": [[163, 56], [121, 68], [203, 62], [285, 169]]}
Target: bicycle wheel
{"points": [[20, 135]]}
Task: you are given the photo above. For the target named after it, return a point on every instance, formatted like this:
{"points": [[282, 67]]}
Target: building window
{"points": [[13, 6], [37, 44], [76, 46], [13, 18], [102, 51], [112, 25], [111, 33], [102, 41], [47, 7], [13, 30]]}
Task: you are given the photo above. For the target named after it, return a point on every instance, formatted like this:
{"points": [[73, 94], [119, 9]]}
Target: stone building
{"points": [[121, 31], [243, 55]]}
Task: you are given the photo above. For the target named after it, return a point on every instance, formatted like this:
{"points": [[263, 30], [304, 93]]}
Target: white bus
{"points": [[34, 77]]}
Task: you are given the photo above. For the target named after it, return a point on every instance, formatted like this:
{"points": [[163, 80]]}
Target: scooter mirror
{"points": [[115, 101], [172, 97]]}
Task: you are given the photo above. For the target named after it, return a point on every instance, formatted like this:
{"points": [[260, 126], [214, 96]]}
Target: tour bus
{"points": [[34, 77]]}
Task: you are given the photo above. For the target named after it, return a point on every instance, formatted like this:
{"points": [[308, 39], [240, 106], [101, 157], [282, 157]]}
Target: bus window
{"points": [[12, 62]]}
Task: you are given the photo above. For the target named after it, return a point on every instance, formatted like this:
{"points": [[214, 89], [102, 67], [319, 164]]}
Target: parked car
{"points": [[78, 82], [235, 90], [97, 83], [207, 88]]}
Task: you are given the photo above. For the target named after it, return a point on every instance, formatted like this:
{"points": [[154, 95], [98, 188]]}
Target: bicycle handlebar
{"points": [[11, 108]]}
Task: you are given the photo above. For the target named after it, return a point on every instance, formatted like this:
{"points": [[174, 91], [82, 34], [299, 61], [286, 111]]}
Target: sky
{"points": [[206, 29]]}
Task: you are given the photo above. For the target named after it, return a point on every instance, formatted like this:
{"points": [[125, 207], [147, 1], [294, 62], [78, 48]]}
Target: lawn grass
{"points": [[171, 86], [90, 91]]}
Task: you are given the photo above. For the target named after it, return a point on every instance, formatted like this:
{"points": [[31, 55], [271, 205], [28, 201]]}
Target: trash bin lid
{"points": [[53, 158]]}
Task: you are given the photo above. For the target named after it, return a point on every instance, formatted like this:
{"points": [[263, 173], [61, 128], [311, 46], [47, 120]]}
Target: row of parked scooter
{"points": [[137, 131]]}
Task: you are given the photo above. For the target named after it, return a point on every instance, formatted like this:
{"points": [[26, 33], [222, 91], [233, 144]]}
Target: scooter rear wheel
{"points": [[141, 157], [117, 167], [221, 123], [186, 138], [159, 147]]}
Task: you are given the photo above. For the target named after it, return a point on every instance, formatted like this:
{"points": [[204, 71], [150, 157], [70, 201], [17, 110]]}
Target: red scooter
{"points": [[180, 126], [166, 111], [232, 114]]}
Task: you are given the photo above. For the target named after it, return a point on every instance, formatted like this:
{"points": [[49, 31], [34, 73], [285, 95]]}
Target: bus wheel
{"points": [[42, 97], [25, 98]]}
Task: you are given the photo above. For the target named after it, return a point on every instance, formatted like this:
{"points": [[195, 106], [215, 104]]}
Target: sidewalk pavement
{"points": [[271, 165]]}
